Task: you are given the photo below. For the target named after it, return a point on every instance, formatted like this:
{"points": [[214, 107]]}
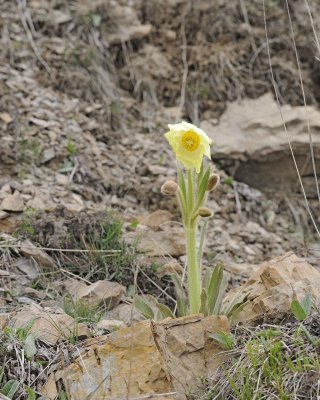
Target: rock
{"points": [[60, 17], [271, 289], [6, 118], [146, 360], [158, 170], [151, 63], [30, 270], [13, 203], [48, 155], [101, 292], [6, 189], [110, 325], [29, 250], [37, 203], [123, 364], [188, 352], [51, 325], [168, 241], [169, 268], [127, 33], [4, 215], [49, 390], [239, 270], [25, 300], [10, 223], [157, 218], [126, 313], [62, 179], [35, 294], [250, 141], [170, 35], [4, 273], [4, 319]]}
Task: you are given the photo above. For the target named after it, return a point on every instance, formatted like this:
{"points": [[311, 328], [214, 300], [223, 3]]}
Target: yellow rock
{"points": [[125, 362], [271, 289], [160, 360]]}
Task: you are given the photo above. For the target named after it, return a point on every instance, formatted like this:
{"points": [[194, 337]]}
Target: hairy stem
{"points": [[193, 271]]}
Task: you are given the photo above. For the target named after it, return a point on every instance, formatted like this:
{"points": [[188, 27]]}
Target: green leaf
{"points": [[190, 197], [30, 345], [10, 388], [269, 333], [225, 340], [298, 311], [214, 288], [222, 291], [203, 187], [306, 304], [182, 306], [165, 311], [62, 395], [31, 393], [96, 20], [23, 332], [200, 174], [235, 310], [143, 308], [181, 297], [203, 302], [182, 184], [1, 374], [206, 279]]}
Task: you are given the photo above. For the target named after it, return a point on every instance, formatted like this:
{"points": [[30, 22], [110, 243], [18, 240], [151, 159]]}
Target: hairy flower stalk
{"points": [[190, 144]]}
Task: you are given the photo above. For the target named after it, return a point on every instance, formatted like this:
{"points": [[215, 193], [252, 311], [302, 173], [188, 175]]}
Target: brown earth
{"points": [[88, 87]]}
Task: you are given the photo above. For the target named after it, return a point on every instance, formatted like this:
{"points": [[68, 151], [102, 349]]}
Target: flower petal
{"points": [[189, 158]]}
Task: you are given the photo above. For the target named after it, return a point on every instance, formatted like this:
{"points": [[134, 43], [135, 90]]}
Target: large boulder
{"points": [[251, 143], [151, 360], [270, 290]]}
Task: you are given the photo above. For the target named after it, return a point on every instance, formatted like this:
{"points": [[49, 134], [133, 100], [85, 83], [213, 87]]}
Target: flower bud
{"points": [[169, 188], [213, 182], [205, 212]]}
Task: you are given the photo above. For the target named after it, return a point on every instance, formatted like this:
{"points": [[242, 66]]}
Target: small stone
{"points": [[170, 35], [51, 325], [6, 118], [157, 170], [170, 268], [4, 319], [37, 203], [169, 241], [249, 251], [28, 249], [110, 325], [13, 203], [157, 218], [6, 188], [126, 313], [62, 179], [48, 155], [36, 294], [100, 292], [4, 214], [25, 300]]}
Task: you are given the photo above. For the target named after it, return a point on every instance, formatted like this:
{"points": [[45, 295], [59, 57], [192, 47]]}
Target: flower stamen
{"points": [[190, 141]]}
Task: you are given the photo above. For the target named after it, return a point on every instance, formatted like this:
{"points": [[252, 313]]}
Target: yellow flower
{"points": [[189, 143]]}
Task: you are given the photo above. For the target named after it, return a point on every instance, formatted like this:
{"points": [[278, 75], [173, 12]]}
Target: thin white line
{"points": [[283, 122], [304, 102]]}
